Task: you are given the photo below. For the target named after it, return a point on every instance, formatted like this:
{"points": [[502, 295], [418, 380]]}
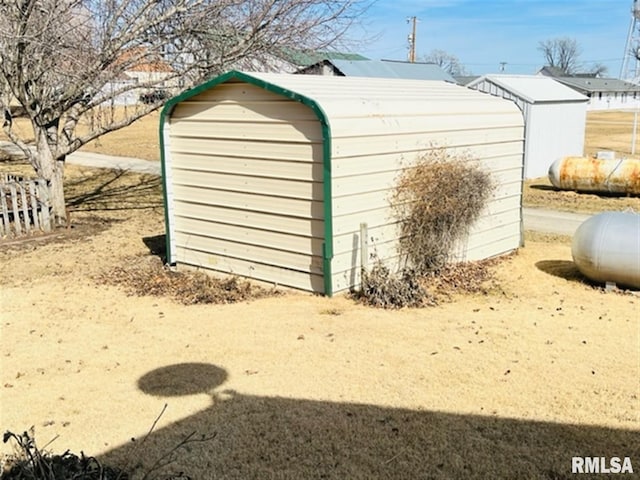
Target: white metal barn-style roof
{"points": [[555, 117], [270, 176]]}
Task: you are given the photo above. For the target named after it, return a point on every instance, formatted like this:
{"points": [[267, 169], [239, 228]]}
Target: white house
{"points": [[605, 93]]}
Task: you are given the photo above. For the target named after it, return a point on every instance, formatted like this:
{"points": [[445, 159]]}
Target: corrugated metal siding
{"points": [[364, 197], [533, 88], [246, 175], [369, 148], [260, 184], [553, 132], [555, 117]]}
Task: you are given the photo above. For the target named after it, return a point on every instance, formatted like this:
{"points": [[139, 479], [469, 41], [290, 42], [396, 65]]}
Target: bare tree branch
{"points": [[448, 62], [562, 53], [71, 65]]}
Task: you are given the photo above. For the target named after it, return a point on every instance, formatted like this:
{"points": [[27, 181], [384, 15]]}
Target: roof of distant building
{"points": [[552, 71], [304, 59], [590, 85], [141, 59], [533, 88], [465, 79], [389, 69]]}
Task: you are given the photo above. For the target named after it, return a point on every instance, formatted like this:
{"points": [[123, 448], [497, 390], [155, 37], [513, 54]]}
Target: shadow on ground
{"points": [[546, 188], [157, 245], [252, 437], [601, 194], [562, 269], [107, 190]]}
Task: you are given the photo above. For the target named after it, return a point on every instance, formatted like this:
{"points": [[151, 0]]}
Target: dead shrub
{"points": [[148, 276], [32, 463], [382, 288], [29, 462], [436, 201]]}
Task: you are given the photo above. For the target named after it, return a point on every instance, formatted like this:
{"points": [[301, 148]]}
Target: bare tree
{"points": [[599, 69], [562, 53], [65, 62], [448, 62]]}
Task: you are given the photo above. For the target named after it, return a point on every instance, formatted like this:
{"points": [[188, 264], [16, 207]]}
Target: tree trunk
{"points": [[51, 169]]}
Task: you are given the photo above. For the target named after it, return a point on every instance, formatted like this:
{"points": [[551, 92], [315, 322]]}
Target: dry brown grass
{"points": [[604, 131], [611, 130], [506, 383], [139, 140], [539, 192]]}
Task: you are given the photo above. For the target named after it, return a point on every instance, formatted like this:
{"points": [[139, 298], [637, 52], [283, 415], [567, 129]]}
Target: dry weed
{"points": [[382, 288], [436, 201], [148, 276]]}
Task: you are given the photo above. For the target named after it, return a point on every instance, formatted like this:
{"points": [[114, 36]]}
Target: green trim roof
{"points": [[304, 59]]}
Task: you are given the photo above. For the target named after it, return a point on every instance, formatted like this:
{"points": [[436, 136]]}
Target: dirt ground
{"points": [[509, 384]]}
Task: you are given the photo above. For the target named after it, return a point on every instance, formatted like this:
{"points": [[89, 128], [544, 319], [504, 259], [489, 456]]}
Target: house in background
{"points": [[377, 69], [554, 117], [290, 61], [306, 59], [603, 93], [130, 87], [145, 77]]}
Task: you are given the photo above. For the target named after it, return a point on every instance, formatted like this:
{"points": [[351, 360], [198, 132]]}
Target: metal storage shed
{"points": [[269, 176], [555, 117]]}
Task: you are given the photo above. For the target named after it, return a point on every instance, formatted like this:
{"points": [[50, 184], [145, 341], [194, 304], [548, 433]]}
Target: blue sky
{"points": [[484, 33]]}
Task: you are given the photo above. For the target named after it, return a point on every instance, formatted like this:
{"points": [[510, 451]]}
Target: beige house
{"points": [[270, 176]]}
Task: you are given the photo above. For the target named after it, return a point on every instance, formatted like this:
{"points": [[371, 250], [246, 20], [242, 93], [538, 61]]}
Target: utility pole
{"points": [[412, 39], [502, 66]]}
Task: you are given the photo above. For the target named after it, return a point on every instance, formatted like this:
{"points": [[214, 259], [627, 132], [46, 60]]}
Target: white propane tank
{"points": [[606, 248]]}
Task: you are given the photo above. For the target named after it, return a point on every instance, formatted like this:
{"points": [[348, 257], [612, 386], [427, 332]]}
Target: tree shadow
{"points": [[254, 437], [110, 190]]}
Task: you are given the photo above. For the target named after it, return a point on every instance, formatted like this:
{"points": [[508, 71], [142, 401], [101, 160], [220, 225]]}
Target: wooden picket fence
{"points": [[24, 206]]}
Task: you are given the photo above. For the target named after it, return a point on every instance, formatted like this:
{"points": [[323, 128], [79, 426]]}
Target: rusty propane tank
{"points": [[585, 174], [606, 248]]}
